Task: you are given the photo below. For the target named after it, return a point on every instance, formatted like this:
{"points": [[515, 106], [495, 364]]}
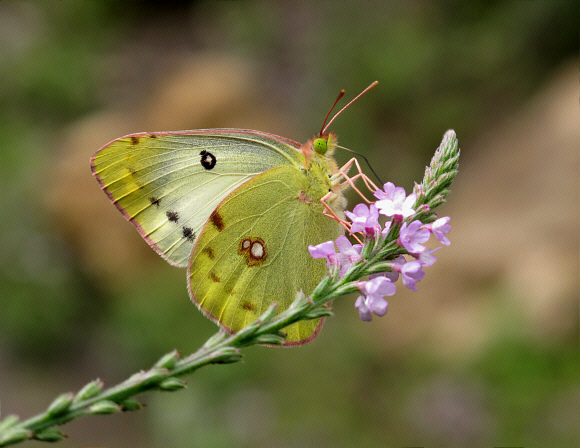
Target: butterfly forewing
{"points": [[168, 184]]}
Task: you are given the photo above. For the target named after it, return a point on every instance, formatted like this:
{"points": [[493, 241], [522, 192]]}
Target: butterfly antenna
{"points": [[324, 128], [366, 160], [340, 95]]}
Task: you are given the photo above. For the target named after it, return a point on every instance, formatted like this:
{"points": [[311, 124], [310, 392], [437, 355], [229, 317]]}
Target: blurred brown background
{"points": [[484, 354]]}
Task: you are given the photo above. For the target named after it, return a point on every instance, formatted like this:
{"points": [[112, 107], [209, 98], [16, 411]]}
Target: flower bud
{"points": [[9, 421], [130, 405], [48, 435], [15, 435], [168, 360], [270, 339], [61, 404], [89, 391], [171, 384], [104, 407]]}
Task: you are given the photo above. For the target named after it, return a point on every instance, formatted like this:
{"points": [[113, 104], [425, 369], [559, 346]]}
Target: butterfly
{"points": [[238, 208]]}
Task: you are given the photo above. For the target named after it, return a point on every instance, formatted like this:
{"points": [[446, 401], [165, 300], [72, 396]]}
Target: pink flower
{"points": [[347, 254], [394, 201], [322, 250], [396, 264], [412, 272], [386, 228], [372, 300], [439, 228], [427, 258], [364, 219], [411, 236]]}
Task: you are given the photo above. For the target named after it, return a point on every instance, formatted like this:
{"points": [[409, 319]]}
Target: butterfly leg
{"points": [[328, 211], [348, 181], [343, 172], [367, 181]]}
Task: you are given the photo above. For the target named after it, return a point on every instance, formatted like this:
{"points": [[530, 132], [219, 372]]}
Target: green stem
{"points": [[219, 349]]}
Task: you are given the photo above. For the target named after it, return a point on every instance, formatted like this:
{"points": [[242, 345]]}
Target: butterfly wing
{"points": [[168, 184], [253, 251]]}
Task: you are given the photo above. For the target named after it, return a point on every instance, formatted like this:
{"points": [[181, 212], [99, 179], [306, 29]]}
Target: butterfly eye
{"points": [[320, 145]]}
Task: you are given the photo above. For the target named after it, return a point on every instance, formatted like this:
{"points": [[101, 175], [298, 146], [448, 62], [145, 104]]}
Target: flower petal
{"points": [[322, 250]]}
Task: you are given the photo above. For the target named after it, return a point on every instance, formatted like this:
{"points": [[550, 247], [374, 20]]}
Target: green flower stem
{"points": [[224, 348], [219, 349]]}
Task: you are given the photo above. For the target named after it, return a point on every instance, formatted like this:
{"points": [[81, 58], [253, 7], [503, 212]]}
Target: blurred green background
{"points": [[484, 354]]}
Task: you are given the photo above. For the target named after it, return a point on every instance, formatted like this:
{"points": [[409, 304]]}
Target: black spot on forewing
{"points": [[217, 220], [189, 234], [208, 160], [155, 201], [214, 277], [152, 136], [134, 140], [172, 216]]}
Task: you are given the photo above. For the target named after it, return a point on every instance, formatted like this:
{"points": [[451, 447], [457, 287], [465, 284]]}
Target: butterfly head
{"points": [[323, 145]]}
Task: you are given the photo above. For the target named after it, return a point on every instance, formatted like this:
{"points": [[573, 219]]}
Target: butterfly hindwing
{"points": [[168, 184], [253, 249]]}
